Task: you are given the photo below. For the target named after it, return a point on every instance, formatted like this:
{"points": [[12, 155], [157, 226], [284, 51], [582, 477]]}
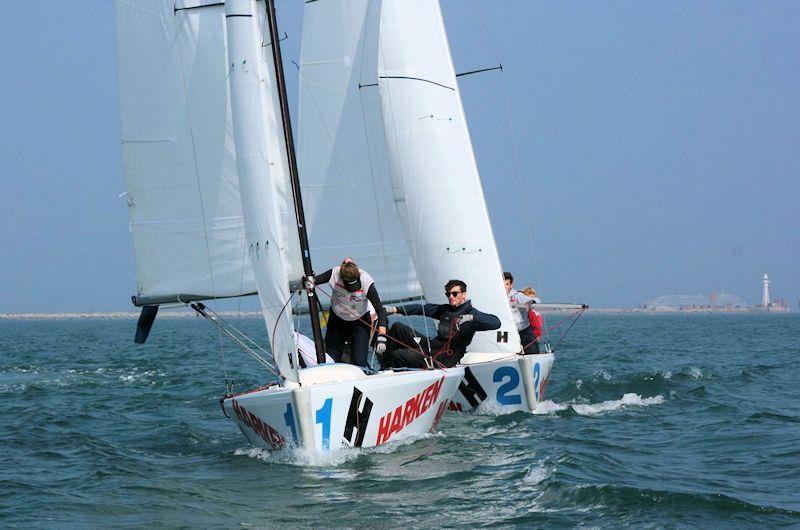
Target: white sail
{"points": [[180, 166], [435, 176], [253, 116], [179, 154], [342, 158]]}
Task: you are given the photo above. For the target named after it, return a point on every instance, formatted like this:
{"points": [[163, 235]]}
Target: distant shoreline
{"points": [[133, 315]]}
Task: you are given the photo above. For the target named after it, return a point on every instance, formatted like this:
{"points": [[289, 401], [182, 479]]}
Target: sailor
{"points": [[520, 305], [458, 323], [352, 292], [534, 317]]}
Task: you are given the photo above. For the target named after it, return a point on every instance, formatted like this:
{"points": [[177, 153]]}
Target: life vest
{"points": [[349, 306], [537, 322]]}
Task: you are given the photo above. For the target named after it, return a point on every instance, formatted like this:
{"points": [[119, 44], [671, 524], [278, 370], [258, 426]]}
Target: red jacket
{"points": [[537, 322]]}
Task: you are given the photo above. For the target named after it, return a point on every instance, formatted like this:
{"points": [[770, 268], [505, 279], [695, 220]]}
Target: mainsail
{"points": [[342, 151], [180, 166], [187, 156]]}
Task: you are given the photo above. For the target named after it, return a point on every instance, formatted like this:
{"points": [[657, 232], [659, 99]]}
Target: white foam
{"points": [[695, 372], [299, 456], [627, 400], [548, 407], [667, 374], [578, 383], [493, 408], [537, 475]]}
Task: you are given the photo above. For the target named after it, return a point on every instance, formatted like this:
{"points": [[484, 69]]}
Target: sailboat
{"points": [[216, 212], [385, 150]]}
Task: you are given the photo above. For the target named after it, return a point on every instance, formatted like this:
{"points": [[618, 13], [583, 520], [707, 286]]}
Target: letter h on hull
{"points": [[356, 419]]}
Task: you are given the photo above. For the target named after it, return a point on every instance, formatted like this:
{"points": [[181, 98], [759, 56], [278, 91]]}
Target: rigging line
{"points": [[275, 329], [514, 144], [197, 172], [407, 229], [242, 335], [401, 343], [213, 319], [564, 335]]}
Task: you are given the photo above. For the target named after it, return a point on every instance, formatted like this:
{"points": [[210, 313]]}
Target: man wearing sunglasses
{"points": [[458, 323]]}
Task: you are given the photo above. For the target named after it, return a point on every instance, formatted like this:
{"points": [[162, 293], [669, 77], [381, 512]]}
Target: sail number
{"points": [[323, 417], [511, 375]]}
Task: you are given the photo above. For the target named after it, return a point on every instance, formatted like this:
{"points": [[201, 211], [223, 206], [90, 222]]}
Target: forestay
{"points": [[179, 153], [434, 174], [342, 155]]}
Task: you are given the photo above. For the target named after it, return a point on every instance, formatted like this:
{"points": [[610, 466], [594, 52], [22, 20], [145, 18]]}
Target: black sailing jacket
{"points": [[450, 354]]}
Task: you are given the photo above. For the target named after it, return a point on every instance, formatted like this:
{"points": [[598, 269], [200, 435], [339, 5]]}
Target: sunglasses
{"points": [[452, 293]]}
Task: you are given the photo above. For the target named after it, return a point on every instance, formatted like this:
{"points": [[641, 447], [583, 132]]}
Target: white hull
{"points": [[337, 405], [508, 383]]}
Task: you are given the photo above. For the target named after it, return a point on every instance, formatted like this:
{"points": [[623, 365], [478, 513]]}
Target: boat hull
{"points": [[359, 412], [508, 384]]}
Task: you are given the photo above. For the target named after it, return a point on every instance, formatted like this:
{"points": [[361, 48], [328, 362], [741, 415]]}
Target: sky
{"points": [[643, 148]]}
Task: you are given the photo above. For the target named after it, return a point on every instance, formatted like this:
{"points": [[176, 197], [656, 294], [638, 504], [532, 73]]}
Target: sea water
{"points": [[650, 421]]}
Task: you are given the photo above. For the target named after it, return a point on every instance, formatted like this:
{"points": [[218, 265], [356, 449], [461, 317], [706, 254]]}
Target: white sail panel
{"points": [[252, 119], [433, 166], [342, 158], [277, 154], [178, 148]]}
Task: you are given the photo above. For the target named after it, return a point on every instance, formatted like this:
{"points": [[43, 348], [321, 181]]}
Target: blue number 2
{"points": [[536, 374], [508, 386], [323, 416]]}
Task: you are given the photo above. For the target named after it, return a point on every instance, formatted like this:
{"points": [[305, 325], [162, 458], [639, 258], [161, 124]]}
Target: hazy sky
{"points": [[658, 147]]}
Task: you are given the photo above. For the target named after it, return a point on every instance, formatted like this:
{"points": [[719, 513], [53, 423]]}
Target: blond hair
{"points": [[530, 291]]}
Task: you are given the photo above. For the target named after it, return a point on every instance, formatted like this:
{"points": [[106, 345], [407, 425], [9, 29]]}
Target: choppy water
{"points": [[652, 421]]}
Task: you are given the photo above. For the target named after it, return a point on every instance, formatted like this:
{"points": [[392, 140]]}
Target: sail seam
{"points": [[415, 79]]}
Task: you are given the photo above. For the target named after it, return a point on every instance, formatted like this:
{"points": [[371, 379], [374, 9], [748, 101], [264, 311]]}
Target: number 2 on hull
{"points": [[513, 382]]}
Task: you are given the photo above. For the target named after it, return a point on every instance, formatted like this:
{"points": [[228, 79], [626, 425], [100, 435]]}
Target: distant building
{"points": [[695, 302]]}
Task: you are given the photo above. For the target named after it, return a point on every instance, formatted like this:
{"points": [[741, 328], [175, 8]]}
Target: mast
{"points": [[313, 304]]}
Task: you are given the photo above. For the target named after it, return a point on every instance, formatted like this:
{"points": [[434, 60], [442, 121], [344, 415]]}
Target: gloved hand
{"points": [[309, 283], [462, 319], [380, 344]]}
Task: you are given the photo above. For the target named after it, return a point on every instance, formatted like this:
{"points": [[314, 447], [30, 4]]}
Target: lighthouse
{"points": [[765, 292]]}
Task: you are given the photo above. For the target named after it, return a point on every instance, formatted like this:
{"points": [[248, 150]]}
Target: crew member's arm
{"points": [[325, 277], [427, 310], [522, 300], [479, 322], [372, 296]]}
